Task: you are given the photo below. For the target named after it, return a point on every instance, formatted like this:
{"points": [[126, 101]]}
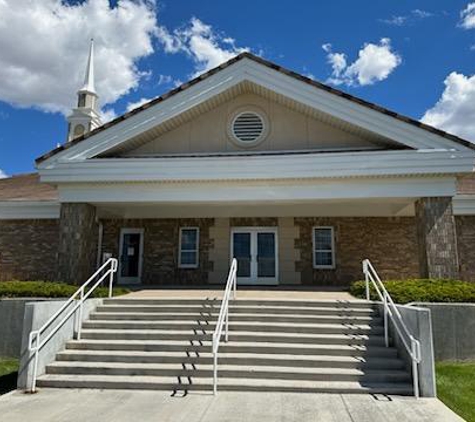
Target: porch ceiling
{"points": [[381, 207]]}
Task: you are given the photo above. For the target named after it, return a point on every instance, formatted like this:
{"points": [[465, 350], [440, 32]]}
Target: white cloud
{"points": [[375, 63], [164, 79], [108, 114], [206, 47], [411, 18], [421, 13], [133, 105], [168, 80], [454, 112], [44, 47], [3, 174], [467, 16], [395, 20]]}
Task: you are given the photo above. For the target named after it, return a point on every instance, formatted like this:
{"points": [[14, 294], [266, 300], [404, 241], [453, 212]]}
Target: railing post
{"points": [[111, 279], [234, 283], [81, 302], [215, 371], [227, 324], [35, 364], [366, 277], [386, 328], [415, 369]]}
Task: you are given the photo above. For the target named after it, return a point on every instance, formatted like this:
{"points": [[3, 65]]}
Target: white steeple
{"points": [[89, 77], [85, 117]]}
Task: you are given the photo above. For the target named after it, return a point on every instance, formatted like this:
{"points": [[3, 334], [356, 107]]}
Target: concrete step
{"points": [[273, 360], [235, 347], [149, 313], [237, 336], [240, 309], [209, 328], [205, 318], [216, 302], [224, 384], [228, 371]]}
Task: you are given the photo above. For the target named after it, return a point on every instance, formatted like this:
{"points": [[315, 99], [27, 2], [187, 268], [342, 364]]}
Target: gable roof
{"points": [[269, 65], [26, 187]]}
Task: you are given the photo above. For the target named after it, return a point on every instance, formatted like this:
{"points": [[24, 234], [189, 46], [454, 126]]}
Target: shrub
{"points": [[421, 290], [47, 289]]}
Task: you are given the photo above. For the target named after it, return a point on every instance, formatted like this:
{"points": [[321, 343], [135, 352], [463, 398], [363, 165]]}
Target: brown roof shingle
{"points": [[26, 187], [271, 65]]}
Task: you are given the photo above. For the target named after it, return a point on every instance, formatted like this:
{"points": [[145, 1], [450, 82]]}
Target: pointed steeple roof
{"points": [[89, 77]]}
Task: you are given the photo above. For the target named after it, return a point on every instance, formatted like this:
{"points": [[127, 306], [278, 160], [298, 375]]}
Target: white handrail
{"points": [[412, 345], [223, 320], [78, 304]]}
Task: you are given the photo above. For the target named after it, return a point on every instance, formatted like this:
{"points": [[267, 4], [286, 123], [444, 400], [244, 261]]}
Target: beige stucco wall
{"points": [[288, 130], [288, 254], [219, 252]]}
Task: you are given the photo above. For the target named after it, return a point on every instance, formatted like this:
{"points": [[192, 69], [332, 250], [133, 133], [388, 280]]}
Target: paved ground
{"points": [[66, 405], [295, 294]]}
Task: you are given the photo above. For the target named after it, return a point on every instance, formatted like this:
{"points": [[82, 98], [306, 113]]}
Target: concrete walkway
{"points": [[67, 405]]}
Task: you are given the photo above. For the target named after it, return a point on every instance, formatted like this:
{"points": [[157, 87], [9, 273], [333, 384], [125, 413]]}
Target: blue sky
{"points": [[414, 54]]}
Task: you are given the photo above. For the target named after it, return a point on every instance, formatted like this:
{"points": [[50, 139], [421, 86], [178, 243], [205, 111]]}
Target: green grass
{"points": [[8, 374], [421, 290], [48, 289], [456, 387]]}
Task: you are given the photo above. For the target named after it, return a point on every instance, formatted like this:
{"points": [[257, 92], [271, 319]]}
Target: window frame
{"points": [[314, 249], [196, 250]]}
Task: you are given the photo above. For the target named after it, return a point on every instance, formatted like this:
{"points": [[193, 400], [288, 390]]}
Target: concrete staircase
{"points": [[274, 345]]}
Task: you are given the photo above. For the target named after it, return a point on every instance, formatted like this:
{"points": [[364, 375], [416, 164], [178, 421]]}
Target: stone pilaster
{"points": [[436, 238], [78, 231]]}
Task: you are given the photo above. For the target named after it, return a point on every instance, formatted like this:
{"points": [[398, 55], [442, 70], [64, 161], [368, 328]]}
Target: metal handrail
{"points": [[78, 304], [412, 345], [223, 319]]}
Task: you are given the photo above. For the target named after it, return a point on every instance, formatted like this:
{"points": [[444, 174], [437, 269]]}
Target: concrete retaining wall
{"points": [[36, 314], [453, 327], [11, 326], [418, 322]]}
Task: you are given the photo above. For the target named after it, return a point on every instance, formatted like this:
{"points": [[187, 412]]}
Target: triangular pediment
{"points": [[289, 127], [327, 109]]}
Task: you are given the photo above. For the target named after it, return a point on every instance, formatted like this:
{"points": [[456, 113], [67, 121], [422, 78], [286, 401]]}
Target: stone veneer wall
{"points": [[28, 249], [390, 243], [160, 255], [465, 227], [437, 238], [77, 245]]}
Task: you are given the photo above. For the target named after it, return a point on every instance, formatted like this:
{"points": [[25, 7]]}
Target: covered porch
{"points": [[283, 242]]}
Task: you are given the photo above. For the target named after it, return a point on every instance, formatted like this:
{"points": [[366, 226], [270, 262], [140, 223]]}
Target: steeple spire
{"points": [[89, 77], [85, 117]]}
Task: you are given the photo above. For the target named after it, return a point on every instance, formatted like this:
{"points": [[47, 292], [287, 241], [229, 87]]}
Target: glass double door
{"points": [[256, 252]]}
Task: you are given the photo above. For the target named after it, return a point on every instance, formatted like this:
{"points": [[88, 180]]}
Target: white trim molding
{"points": [[257, 192], [29, 210], [262, 167]]}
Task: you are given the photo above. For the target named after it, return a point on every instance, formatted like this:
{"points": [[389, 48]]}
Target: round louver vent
{"points": [[248, 127]]}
